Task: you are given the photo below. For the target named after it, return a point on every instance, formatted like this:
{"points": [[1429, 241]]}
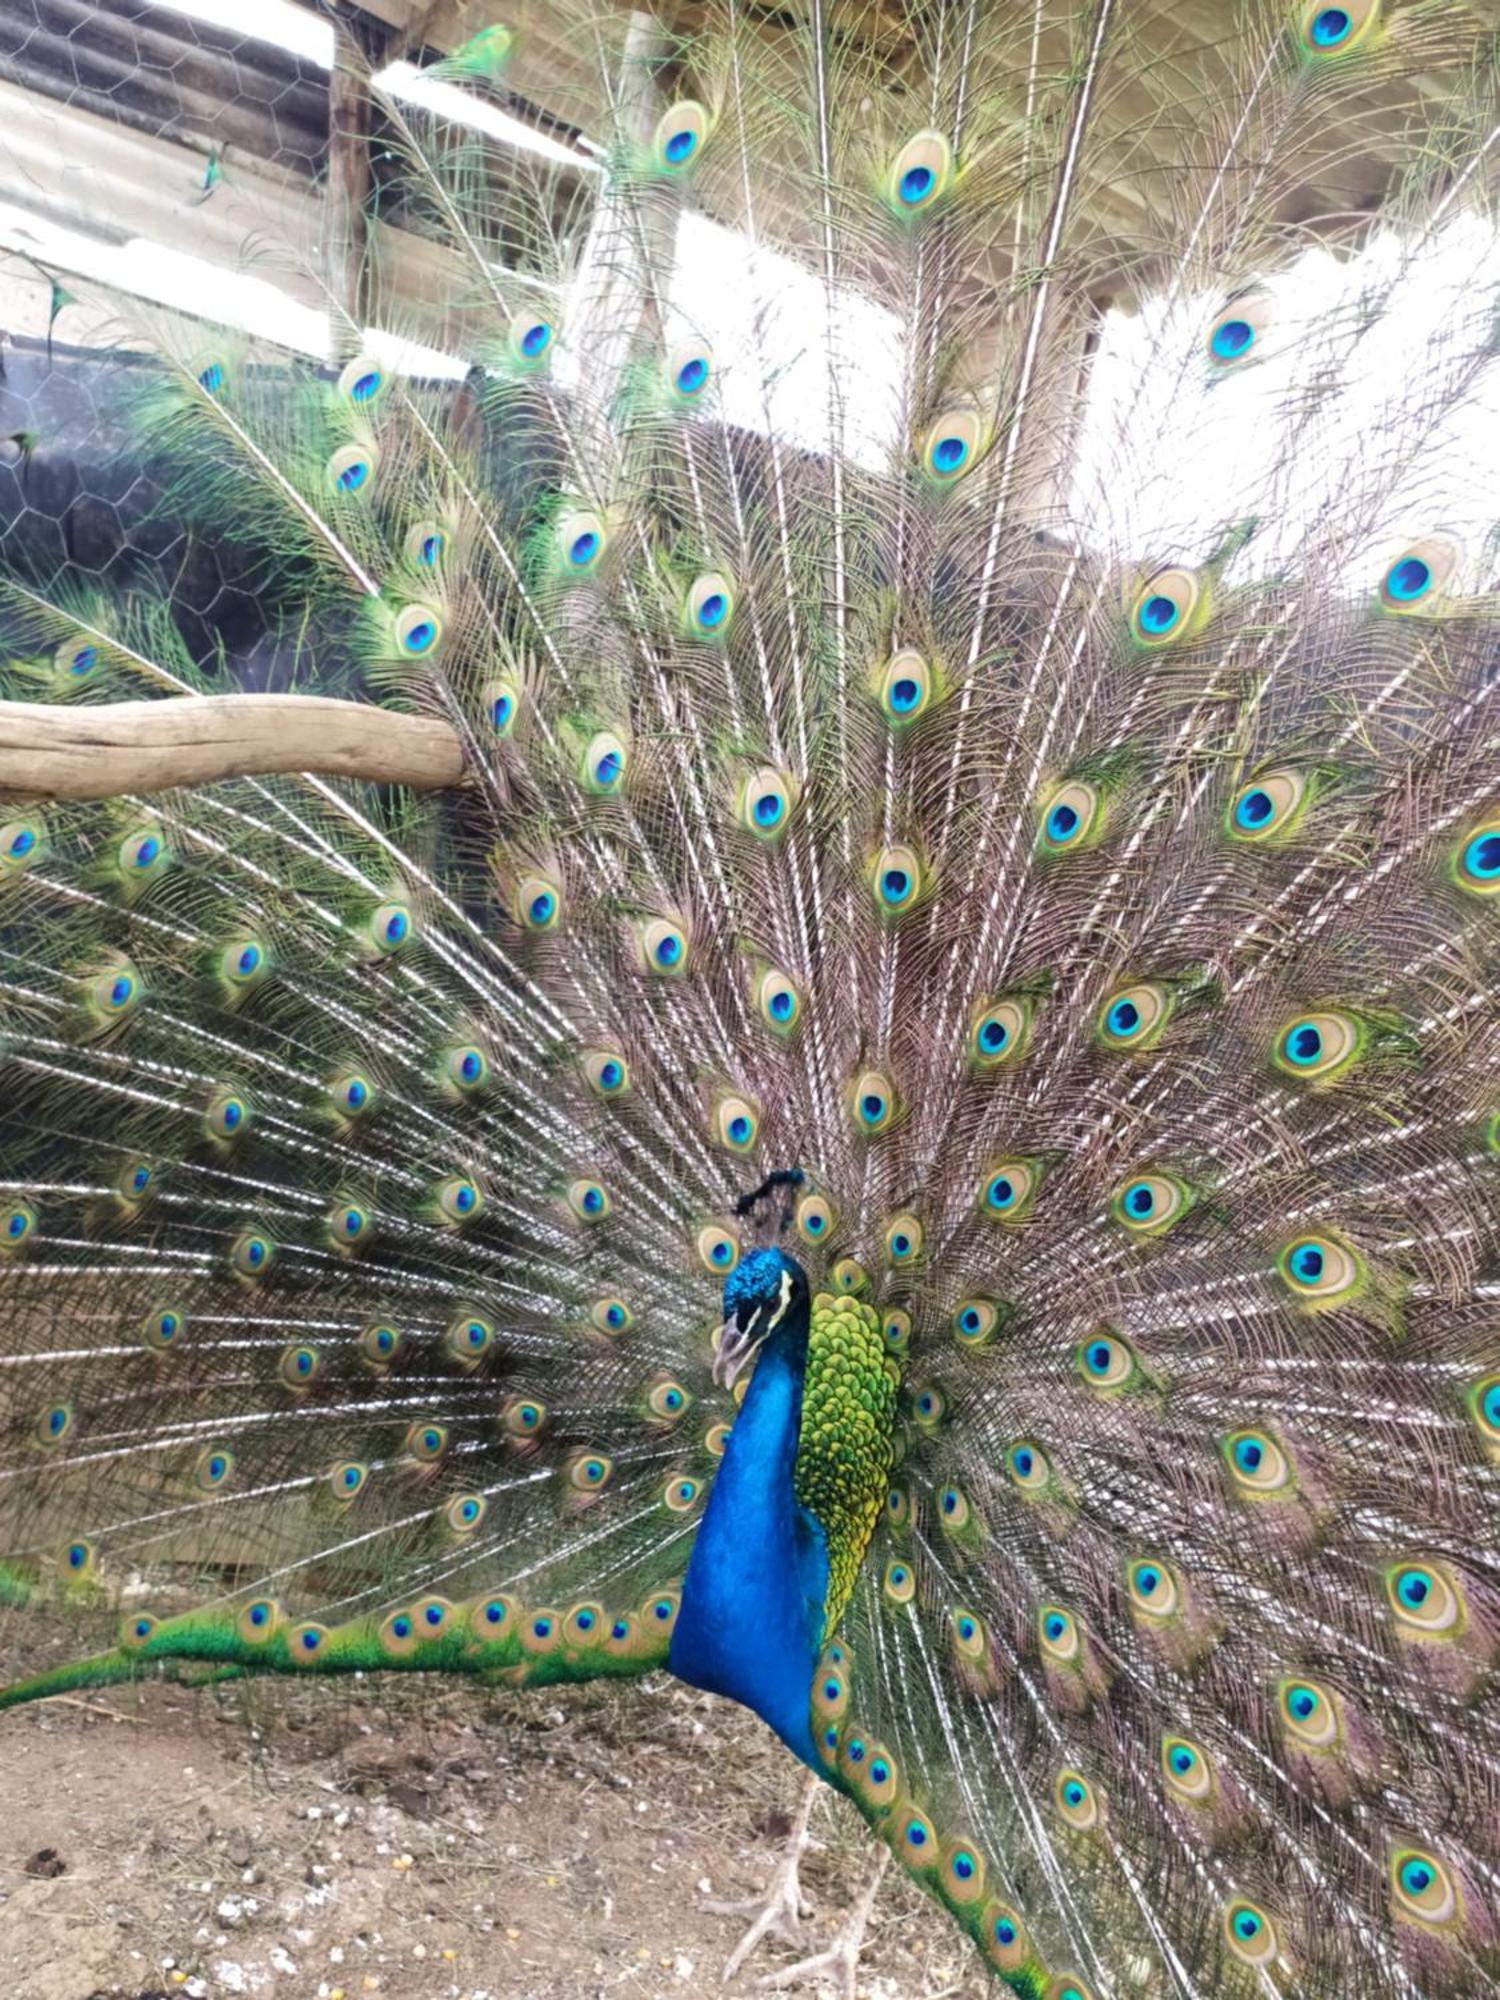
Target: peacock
{"points": [[824, 1016]]}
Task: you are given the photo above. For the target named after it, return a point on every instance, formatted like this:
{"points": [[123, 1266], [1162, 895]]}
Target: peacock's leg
{"points": [[840, 1962], [780, 1912]]}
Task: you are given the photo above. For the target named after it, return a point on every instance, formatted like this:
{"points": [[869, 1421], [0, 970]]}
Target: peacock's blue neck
{"points": [[751, 1621]]}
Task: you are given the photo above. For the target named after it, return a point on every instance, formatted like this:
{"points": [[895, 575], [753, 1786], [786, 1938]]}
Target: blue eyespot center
{"points": [[1254, 809], [692, 375], [1124, 1018], [1303, 1702], [147, 849], [366, 386], [1482, 857], [1147, 1580], [1306, 1263], [419, 637], [1005, 1931], [993, 1036], [22, 842], [211, 378], [949, 453], [872, 1107], [395, 926], [669, 949], [432, 548], [680, 146], [608, 769], [1247, 1925], [711, 610], [354, 476], [120, 991], [1414, 1587], [583, 548], [611, 1076], [1002, 1192], [916, 185], [1330, 26], [1304, 1044], [1416, 1877], [1062, 823], [782, 1005], [1056, 1627], [1182, 1760], [1408, 579], [501, 710], [1074, 1793], [905, 694], [542, 907], [248, 959], [1140, 1200], [1098, 1357], [1158, 614], [740, 1130], [1249, 1454], [1232, 338], [470, 1066], [534, 340]]}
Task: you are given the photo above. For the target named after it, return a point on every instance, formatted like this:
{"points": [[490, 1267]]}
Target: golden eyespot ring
{"points": [[1003, 1937], [1329, 32], [259, 1621], [715, 1438], [920, 174], [540, 1631], [1185, 1769], [902, 1240], [904, 688], [849, 1277], [347, 1481], [142, 853], [351, 470], [23, 843], [895, 1329], [501, 700], [494, 1617], [667, 1399], [1417, 579], [1105, 1361], [1076, 1800], [460, 1199], [1057, 1634], [974, 1320], [1149, 1204], [1152, 1587], [953, 1509], [1028, 1465], [779, 1000], [1476, 865], [736, 1124], [718, 1248], [252, 1254], [529, 338], [873, 1102], [1265, 806], [362, 380], [1236, 333], [1309, 1713], [898, 879], [681, 1493], [585, 1625], [680, 133], [1422, 1889], [928, 1406], [390, 927], [587, 1201], [300, 1366], [1070, 816], [967, 1629], [426, 1441], [469, 1339], [765, 803], [1067, 1986], [899, 1582], [590, 1471], [229, 1115], [581, 537], [689, 369], [1257, 1463], [164, 1329], [664, 948], [962, 1872], [611, 1315], [1131, 1017], [379, 1343], [1318, 1270], [1426, 1601], [606, 1072], [953, 444], [875, 1773], [418, 631], [537, 903], [709, 611], [816, 1218], [1165, 608], [997, 1033], [1249, 1933], [604, 763], [1006, 1190], [424, 544], [213, 1467], [523, 1416], [1318, 1046]]}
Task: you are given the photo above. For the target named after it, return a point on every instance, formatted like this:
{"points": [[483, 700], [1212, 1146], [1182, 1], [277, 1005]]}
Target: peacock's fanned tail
{"points": [[1073, 844]]}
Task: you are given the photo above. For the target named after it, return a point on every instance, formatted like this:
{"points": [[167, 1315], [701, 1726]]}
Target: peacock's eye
{"points": [[815, 1218], [718, 1249], [1106, 1361], [1152, 1588], [530, 337], [1250, 1933], [1238, 330], [688, 368], [1058, 1632], [606, 1072], [1426, 1602], [1258, 1465], [351, 469], [1133, 1017], [418, 631], [903, 1239], [1318, 1047], [904, 688], [680, 132], [919, 174], [1269, 805], [779, 1001], [1318, 1270], [1150, 1204], [1476, 866], [1071, 815], [1006, 1191], [709, 611], [1187, 1771], [898, 880], [390, 928], [974, 1321], [664, 948], [502, 704], [1422, 1889], [953, 445], [1309, 1713], [1418, 577], [1076, 1800], [874, 1102], [1167, 607], [765, 803]]}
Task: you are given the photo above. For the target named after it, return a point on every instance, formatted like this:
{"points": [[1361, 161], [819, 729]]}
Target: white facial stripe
{"points": [[786, 1299]]}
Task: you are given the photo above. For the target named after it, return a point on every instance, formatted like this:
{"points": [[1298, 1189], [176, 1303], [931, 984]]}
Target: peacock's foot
{"points": [[839, 1964], [780, 1912]]}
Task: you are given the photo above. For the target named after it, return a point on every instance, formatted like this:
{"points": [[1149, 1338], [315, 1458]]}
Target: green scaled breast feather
{"points": [[845, 1446]]}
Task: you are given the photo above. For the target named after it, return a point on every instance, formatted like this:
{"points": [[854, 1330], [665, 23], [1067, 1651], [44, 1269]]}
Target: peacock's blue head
{"points": [[763, 1290]]}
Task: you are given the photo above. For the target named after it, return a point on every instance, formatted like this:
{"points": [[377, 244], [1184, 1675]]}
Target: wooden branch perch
{"points": [[49, 751]]}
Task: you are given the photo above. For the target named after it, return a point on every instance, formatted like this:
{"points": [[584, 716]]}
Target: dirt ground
{"points": [[323, 1843]]}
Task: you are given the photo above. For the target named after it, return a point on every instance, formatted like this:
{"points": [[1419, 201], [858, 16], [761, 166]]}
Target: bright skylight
{"points": [[1394, 343], [403, 80], [297, 29], [765, 317]]}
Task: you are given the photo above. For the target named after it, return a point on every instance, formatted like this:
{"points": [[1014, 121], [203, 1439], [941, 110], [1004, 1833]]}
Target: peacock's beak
{"points": [[736, 1345]]}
